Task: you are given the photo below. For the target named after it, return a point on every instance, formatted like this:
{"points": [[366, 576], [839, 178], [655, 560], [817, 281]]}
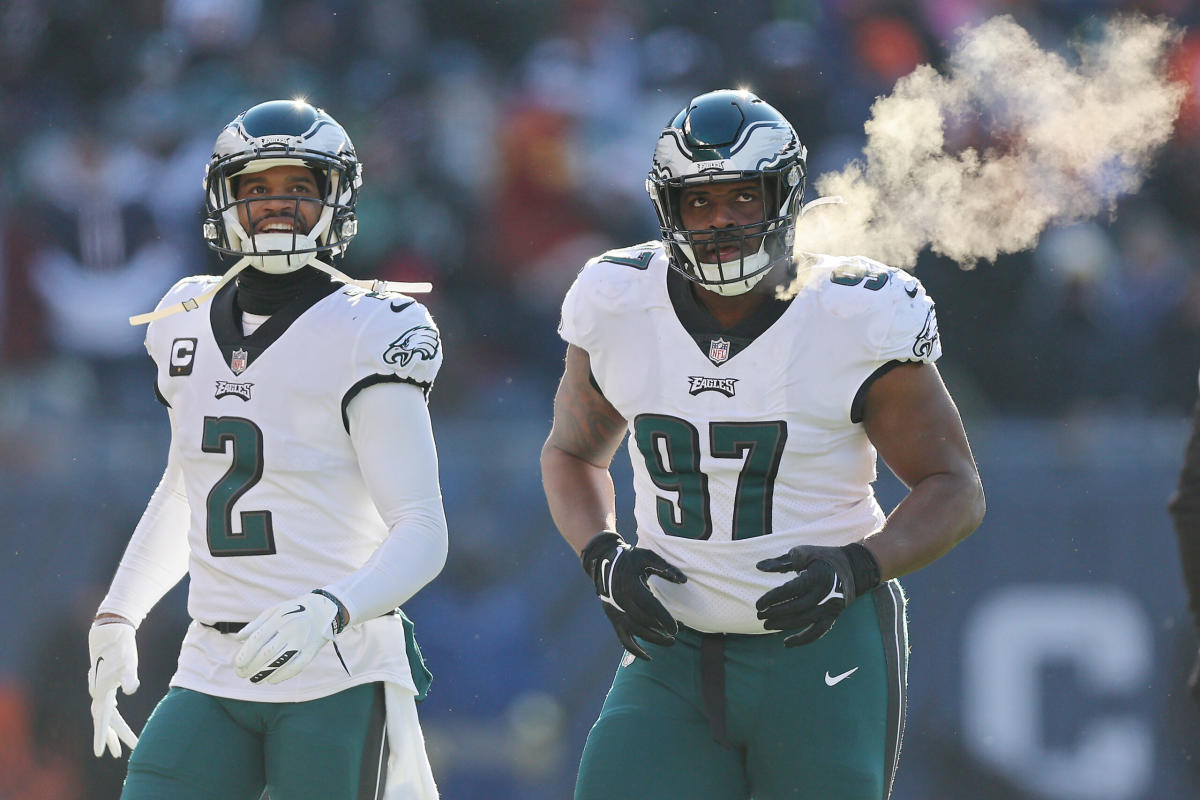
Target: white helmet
{"points": [[282, 133], [728, 136]]}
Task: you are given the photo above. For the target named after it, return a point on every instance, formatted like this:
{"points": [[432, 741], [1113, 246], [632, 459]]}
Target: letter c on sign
{"points": [[1101, 632]]}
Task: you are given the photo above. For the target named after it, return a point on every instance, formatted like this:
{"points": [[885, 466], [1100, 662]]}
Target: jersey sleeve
{"points": [[400, 469], [183, 289], [884, 308], [912, 334], [606, 285], [156, 557], [403, 345], [577, 321]]}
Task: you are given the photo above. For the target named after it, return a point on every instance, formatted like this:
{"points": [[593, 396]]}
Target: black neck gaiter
{"points": [[263, 293]]}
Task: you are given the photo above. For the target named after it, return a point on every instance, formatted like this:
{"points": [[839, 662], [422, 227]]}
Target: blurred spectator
{"points": [[1070, 311], [26, 774], [1177, 348], [213, 25], [99, 255]]}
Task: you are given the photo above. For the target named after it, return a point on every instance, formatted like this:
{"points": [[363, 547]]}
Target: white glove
{"points": [[112, 653], [282, 640]]}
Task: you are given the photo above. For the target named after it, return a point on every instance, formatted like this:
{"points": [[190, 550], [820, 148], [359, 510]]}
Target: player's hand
{"points": [[620, 573], [113, 660], [828, 581], [282, 640]]}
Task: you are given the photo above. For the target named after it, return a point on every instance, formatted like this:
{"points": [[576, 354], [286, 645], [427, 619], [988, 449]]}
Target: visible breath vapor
{"points": [[1066, 141]]}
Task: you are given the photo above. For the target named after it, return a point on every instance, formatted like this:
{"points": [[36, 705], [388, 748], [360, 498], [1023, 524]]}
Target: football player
{"points": [[300, 496], [764, 628], [1185, 512]]}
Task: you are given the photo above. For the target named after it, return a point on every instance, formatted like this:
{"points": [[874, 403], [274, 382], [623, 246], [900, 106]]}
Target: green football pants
{"points": [[741, 717], [199, 747]]}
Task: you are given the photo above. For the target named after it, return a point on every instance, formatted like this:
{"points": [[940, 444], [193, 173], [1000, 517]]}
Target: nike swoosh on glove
{"points": [[619, 574], [283, 640], [829, 580], [113, 659]]}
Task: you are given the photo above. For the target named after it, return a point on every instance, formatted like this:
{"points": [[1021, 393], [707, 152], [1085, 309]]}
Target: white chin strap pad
{"points": [[735, 288], [272, 252], [712, 272]]}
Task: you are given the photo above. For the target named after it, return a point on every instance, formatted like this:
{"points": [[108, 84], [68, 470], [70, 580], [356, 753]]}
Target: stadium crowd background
{"points": [[503, 144]]}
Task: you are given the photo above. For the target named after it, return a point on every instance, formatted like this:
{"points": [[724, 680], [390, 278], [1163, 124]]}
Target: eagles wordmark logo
{"points": [[226, 388], [698, 384], [420, 341]]}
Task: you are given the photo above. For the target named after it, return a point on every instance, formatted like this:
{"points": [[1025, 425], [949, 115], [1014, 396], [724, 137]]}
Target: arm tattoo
{"points": [[585, 423]]}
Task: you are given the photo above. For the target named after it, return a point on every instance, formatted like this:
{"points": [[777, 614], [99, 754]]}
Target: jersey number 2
{"points": [[256, 538], [671, 447]]}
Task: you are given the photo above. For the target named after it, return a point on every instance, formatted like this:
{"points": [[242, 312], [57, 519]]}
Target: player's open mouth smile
{"points": [[276, 225]]}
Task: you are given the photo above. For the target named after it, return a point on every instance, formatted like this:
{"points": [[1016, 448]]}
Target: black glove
{"points": [[829, 580], [619, 572]]}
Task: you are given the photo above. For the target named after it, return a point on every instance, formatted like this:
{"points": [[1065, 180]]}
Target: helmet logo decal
{"points": [[720, 165]]}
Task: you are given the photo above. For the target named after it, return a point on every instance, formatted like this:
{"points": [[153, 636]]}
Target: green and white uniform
{"points": [[277, 502], [301, 457], [746, 442]]}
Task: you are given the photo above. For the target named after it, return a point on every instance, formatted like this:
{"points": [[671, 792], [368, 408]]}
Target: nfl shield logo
{"points": [[718, 351], [238, 362]]}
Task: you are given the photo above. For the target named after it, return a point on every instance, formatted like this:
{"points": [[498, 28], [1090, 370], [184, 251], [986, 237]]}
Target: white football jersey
{"points": [[278, 505], [744, 442]]}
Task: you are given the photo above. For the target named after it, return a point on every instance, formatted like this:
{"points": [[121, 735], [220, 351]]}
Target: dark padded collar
{"points": [[704, 328], [226, 315]]}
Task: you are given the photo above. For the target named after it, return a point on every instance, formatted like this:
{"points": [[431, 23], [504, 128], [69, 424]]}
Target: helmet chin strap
{"points": [[370, 284], [192, 303]]}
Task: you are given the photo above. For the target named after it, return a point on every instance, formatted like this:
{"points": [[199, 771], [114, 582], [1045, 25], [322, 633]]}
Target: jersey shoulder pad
{"points": [[187, 288], [615, 281], [850, 286], [400, 338], [613, 275], [637, 257], [897, 315], [183, 290]]}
